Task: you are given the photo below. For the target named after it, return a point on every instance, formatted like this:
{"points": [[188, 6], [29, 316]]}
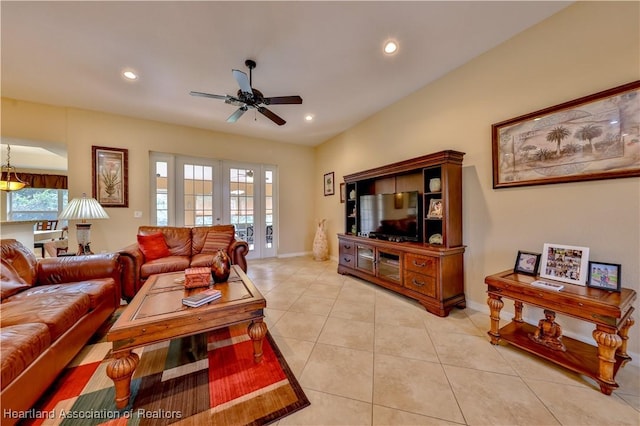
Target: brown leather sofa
{"points": [[186, 246], [50, 308]]}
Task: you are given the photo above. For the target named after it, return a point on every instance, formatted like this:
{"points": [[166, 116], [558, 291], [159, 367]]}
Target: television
{"points": [[391, 217]]}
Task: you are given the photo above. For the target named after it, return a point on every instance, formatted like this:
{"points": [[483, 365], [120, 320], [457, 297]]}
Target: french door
{"points": [[199, 192]]}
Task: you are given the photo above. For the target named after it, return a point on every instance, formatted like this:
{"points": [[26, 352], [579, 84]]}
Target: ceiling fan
{"points": [[249, 97]]}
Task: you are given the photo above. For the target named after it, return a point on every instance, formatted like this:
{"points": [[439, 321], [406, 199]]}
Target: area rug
{"points": [[206, 379]]}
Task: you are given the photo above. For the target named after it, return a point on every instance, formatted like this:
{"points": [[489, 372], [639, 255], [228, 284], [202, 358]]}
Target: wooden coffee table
{"points": [[156, 314]]}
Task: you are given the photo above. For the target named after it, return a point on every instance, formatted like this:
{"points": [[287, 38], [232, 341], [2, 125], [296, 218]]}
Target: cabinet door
{"points": [[365, 258], [389, 266]]}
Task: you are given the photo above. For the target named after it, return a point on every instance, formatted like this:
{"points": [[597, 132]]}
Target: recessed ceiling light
{"points": [[308, 117], [130, 75], [390, 47]]}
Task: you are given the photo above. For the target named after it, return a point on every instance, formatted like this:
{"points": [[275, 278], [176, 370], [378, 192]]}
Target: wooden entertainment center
{"points": [[427, 264]]}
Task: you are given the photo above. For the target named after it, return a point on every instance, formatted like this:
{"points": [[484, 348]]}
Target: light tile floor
{"points": [[367, 356]]}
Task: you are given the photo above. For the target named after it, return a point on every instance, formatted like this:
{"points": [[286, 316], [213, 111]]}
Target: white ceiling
{"points": [[329, 53]]}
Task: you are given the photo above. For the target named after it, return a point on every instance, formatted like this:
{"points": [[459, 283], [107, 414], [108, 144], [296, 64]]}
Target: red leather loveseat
{"points": [[162, 249], [50, 308]]}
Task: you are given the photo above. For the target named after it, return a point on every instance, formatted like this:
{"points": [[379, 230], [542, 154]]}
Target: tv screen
{"points": [[390, 216]]}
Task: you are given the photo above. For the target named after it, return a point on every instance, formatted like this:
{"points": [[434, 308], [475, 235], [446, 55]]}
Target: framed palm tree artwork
{"points": [[110, 176], [593, 137]]}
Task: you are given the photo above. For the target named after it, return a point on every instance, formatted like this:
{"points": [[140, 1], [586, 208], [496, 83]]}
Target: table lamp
{"points": [[83, 208]]}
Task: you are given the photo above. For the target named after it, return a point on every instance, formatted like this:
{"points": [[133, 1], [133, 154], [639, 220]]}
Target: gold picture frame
{"points": [[110, 176]]}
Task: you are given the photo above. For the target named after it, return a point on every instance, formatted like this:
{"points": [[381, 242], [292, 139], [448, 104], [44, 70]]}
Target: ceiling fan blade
{"points": [[234, 117], [280, 100], [243, 81], [209, 95], [271, 116]]}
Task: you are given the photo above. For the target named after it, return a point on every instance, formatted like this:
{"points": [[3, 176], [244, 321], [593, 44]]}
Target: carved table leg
{"points": [[608, 343], [624, 335], [495, 305], [120, 370], [518, 311], [257, 330]]}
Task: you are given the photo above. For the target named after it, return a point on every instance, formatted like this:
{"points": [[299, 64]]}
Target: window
{"points": [[36, 203]]}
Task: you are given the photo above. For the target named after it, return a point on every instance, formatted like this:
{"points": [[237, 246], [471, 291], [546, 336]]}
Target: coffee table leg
{"points": [[120, 370], [257, 330]]}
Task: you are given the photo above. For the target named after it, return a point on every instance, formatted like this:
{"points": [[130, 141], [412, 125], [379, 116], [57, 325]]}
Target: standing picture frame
{"points": [[527, 263], [110, 176], [435, 209], [590, 138], [565, 263], [329, 184], [605, 276]]}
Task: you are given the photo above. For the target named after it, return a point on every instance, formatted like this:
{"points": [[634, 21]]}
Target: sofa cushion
{"points": [[166, 264], [10, 288], [153, 246], [21, 259], [217, 240], [202, 259], [59, 312], [178, 239], [99, 290], [21, 345], [213, 237]]}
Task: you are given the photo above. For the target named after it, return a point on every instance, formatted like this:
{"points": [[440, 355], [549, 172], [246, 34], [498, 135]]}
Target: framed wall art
{"points": [[110, 176], [593, 137], [527, 263], [343, 189], [329, 184], [565, 263], [605, 276]]}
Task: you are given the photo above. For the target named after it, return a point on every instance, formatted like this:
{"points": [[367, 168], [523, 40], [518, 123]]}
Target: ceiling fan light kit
{"points": [[249, 97]]}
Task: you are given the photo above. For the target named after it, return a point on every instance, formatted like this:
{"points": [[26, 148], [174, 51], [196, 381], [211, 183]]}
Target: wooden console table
{"points": [[609, 311]]}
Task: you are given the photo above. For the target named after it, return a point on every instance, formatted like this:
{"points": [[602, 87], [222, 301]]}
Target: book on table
{"points": [[202, 298], [548, 285]]}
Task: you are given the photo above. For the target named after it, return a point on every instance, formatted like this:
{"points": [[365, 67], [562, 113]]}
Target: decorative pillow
{"points": [[153, 246], [217, 240]]}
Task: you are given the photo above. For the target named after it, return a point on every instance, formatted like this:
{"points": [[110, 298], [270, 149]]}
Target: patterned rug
{"points": [[204, 379]]}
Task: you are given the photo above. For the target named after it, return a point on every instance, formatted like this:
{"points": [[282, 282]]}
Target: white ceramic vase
{"points": [[320, 242], [435, 185]]}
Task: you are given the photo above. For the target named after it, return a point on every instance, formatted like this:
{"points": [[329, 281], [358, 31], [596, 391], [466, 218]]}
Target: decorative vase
{"points": [[220, 267], [435, 185], [320, 243]]}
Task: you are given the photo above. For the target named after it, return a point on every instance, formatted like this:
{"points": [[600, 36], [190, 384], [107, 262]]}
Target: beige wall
{"points": [[81, 129], [584, 49], [588, 47]]}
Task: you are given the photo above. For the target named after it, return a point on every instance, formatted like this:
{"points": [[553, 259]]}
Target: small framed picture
{"points": [[435, 209], [329, 184], [343, 194], [527, 263], [565, 263], [605, 276]]}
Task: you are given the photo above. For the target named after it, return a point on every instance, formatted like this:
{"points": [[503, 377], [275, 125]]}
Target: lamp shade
{"points": [[83, 208]]}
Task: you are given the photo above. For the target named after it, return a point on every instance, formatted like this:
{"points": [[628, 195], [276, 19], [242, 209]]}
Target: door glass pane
{"points": [[268, 208], [162, 189], [241, 191], [198, 195]]}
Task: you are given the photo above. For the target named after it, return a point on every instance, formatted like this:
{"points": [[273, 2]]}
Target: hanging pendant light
{"points": [[10, 180]]}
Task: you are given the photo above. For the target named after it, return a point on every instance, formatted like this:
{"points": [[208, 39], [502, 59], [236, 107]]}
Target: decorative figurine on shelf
{"points": [[549, 332], [220, 267], [320, 243]]}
